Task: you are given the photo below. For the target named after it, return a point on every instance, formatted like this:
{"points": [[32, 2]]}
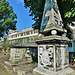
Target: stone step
{"points": [[24, 70]]}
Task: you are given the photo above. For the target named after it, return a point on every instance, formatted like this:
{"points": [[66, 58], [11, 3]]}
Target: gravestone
{"points": [[53, 57], [18, 53]]}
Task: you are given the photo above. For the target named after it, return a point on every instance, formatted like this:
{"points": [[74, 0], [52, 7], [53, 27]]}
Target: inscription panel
{"points": [[58, 57], [66, 56], [62, 58]]}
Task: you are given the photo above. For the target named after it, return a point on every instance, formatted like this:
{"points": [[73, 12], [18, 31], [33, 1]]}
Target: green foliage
{"points": [[36, 10], [66, 7], [7, 18], [67, 10], [6, 44], [70, 13]]}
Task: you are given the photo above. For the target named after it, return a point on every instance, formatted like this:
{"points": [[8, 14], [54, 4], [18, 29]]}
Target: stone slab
{"points": [[10, 64], [24, 70], [41, 71]]}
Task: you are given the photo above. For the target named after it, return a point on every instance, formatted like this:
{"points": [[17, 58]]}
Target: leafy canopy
{"points": [[7, 18], [66, 7]]}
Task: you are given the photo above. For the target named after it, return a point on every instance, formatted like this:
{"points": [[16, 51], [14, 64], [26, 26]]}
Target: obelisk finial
{"points": [[51, 17]]}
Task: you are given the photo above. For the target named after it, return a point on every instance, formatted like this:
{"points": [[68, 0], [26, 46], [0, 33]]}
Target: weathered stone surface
{"points": [[20, 54], [17, 53], [53, 37], [24, 70], [53, 57], [51, 17], [41, 71]]}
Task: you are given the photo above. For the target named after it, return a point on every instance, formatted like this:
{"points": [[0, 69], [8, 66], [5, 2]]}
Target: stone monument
{"points": [[19, 53], [53, 57]]}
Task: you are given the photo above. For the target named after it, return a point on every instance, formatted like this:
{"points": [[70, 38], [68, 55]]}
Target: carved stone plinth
{"points": [[53, 60]]}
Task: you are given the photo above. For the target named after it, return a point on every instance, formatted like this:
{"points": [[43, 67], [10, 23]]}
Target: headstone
{"points": [[19, 54], [53, 57]]}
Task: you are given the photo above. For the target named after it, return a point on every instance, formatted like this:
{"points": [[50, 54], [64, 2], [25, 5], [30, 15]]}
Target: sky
{"points": [[24, 21]]}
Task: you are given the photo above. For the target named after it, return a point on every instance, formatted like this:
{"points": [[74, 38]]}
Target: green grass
{"points": [[5, 71], [15, 62]]}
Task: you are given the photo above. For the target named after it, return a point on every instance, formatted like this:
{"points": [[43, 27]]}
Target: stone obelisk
{"points": [[53, 57]]}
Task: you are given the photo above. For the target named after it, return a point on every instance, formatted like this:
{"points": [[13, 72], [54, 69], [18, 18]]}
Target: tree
{"points": [[6, 43], [66, 7], [7, 18], [67, 10]]}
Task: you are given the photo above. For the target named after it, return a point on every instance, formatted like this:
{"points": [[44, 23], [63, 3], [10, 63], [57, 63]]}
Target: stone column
{"points": [[54, 59], [23, 34], [63, 57], [17, 35]]}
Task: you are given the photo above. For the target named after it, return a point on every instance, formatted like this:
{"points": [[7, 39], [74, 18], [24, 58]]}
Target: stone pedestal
{"points": [[53, 60], [20, 54], [17, 53]]}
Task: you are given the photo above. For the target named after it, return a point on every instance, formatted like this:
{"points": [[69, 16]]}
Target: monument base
{"points": [[41, 71]]}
